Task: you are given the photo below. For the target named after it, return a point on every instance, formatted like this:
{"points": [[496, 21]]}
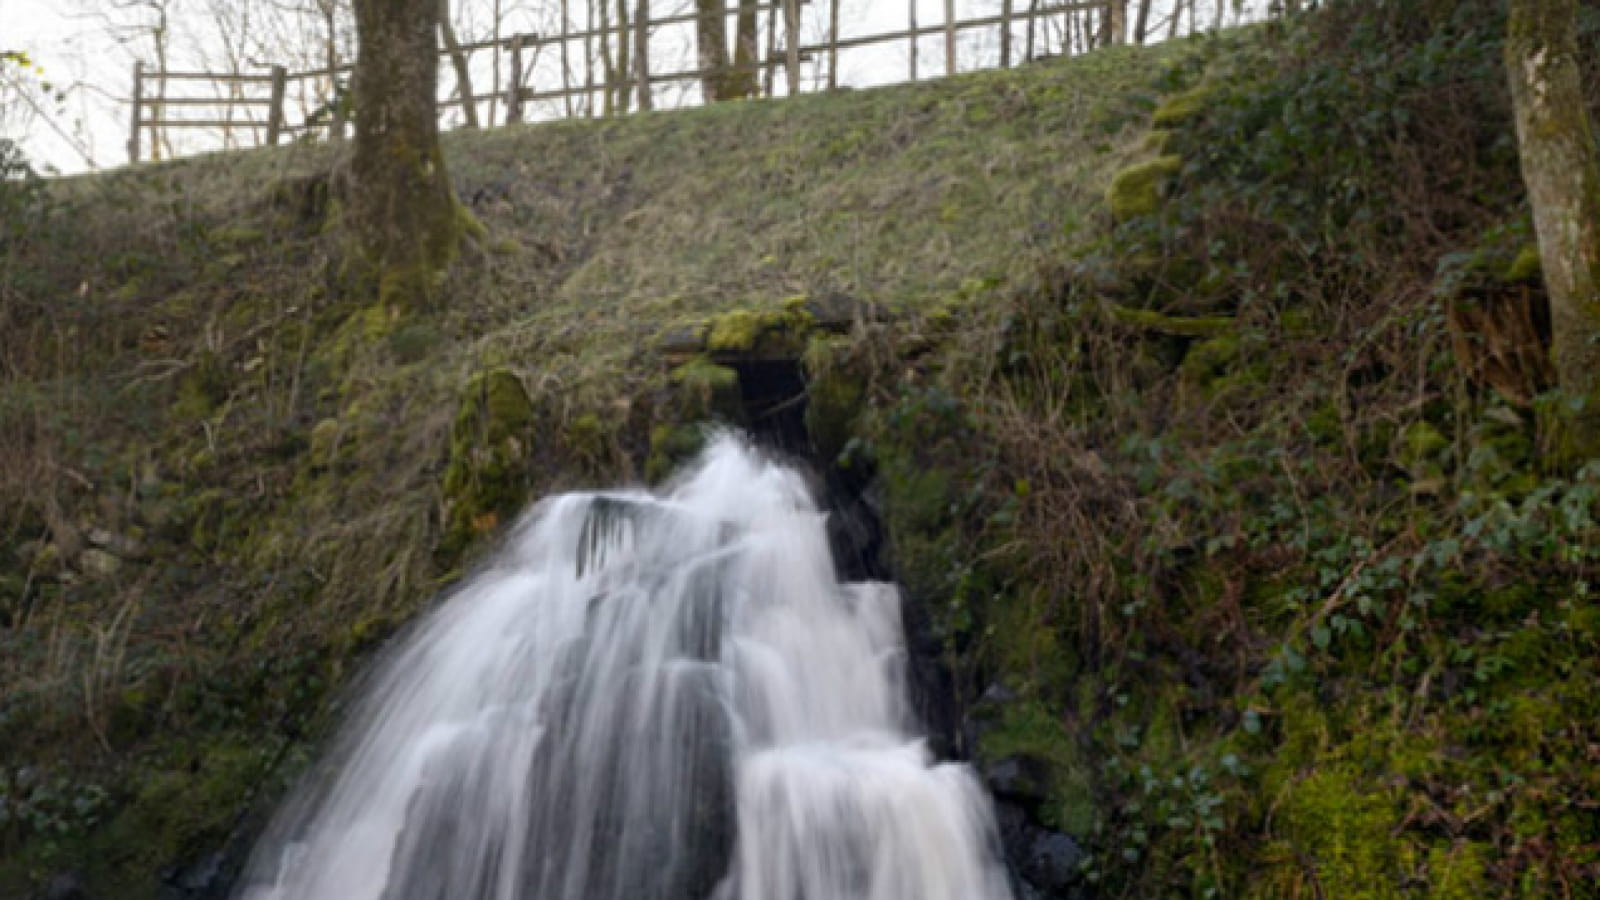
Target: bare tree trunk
{"points": [[400, 202], [711, 45], [641, 54], [624, 80], [1142, 21], [338, 99], [458, 60], [1117, 22], [1556, 142], [746, 45]]}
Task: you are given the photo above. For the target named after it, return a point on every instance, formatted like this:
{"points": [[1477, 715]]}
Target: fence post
{"points": [[275, 110], [949, 37], [772, 52], [833, 44], [138, 105], [913, 8], [514, 89], [1005, 34], [791, 24]]}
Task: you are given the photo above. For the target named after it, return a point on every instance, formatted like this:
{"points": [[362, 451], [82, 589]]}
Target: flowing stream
{"points": [[643, 697]]}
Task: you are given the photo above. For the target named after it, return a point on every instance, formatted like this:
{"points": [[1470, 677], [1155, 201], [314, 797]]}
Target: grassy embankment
{"points": [[1238, 492], [227, 476]]}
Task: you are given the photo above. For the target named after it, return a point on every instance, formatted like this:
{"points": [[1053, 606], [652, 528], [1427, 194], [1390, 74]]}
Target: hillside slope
{"points": [[1195, 395], [226, 477]]}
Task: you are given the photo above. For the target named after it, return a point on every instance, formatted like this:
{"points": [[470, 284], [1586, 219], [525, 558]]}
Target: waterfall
{"points": [[663, 696]]}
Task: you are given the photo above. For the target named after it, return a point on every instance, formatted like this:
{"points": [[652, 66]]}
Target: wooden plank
{"points": [[682, 19], [214, 101], [949, 37], [209, 76], [931, 30], [913, 32], [193, 123], [833, 44], [791, 41]]}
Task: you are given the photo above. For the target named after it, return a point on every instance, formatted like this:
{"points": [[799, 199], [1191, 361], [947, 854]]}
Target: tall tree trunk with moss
{"points": [[400, 203], [711, 43], [1562, 173], [458, 59]]}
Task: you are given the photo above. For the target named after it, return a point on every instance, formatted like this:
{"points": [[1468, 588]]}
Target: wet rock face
{"points": [[1048, 864], [64, 886]]}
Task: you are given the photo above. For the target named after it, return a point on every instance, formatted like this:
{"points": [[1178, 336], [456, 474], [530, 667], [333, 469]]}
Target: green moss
{"points": [[780, 331], [1422, 449], [1027, 732], [486, 478], [835, 397], [1137, 190], [1178, 326], [1158, 141], [324, 442], [184, 808], [671, 445], [204, 385], [414, 342], [1525, 267], [1459, 871], [707, 390], [1341, 827], [1210, 358], [237, 236], [1181, 107]]}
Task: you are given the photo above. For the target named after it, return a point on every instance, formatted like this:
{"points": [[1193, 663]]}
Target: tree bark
{"points": [[746, 44], [1117, 22], [624, 81], [1556, 143], [401, 206], [711, 42], [458, 59], [1141, 22]]}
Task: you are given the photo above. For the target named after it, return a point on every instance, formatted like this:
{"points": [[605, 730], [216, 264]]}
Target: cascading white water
{"points": [[644, 697]]}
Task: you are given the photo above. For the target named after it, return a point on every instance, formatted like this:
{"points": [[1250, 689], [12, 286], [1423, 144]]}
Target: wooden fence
{"points": [[254, 106]]}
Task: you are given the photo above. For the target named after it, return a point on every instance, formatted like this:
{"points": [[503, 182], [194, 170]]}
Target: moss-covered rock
{"points": [[707, 390], [1137, 190], [779, 332], [486, 479], [836, 394], [1183, 106]]}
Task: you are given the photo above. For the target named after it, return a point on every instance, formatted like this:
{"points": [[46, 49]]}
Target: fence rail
{"points": [[247, 117]]}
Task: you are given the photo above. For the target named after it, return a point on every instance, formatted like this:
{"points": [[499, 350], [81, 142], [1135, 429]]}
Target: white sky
{"points": [[73, 42]]}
